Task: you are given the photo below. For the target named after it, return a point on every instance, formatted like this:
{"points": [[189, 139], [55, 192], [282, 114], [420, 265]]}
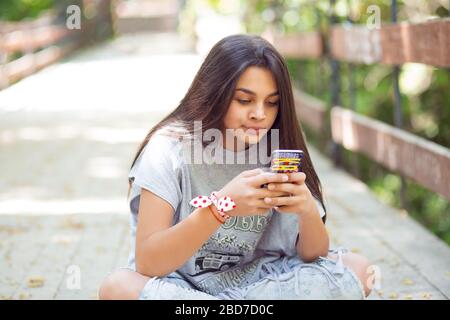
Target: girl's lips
{"points": [[252, 130]]}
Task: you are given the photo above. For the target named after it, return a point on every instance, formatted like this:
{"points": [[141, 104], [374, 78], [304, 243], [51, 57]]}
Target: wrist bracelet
{"points": [[224, 204], [217, 216]]}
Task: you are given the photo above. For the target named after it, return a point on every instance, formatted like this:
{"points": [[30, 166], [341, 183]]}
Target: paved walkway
{"points": [[67, 137]]}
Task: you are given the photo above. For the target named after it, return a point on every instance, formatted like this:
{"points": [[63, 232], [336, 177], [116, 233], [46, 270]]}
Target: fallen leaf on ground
{"points": [[71, 223], [12, 230], [426, 295], [35, 282], [100, 249], [408, 281], [393, 295], [23, 295], [62, 239]]}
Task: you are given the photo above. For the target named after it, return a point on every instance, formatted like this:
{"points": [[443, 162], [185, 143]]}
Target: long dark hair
{"points": [[212, 90]]}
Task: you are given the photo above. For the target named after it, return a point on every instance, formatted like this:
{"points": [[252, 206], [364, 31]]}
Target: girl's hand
{"points": [[298, 200], [245, 190]]}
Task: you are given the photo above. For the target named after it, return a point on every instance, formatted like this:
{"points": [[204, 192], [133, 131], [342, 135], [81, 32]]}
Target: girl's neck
{"points": [[232, 144], [235, 146]]}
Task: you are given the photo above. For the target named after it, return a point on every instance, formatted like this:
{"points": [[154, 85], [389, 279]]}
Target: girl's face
{"points": [[254, 105]]}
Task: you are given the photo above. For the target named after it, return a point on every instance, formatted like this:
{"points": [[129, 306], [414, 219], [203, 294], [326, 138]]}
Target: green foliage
{"points": [[15, 10]]}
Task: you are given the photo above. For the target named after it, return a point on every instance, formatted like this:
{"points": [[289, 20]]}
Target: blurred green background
{"points": [[16, 10]]}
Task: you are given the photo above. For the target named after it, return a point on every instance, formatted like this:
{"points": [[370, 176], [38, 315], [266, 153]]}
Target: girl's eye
{"points": [[243, 101], [248, 101]]}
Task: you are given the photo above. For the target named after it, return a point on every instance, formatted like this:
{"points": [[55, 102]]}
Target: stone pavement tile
{"points": [[16, 260], [44, 273], [407, 295], [395, 274], [124, 249], [44, 254], [95, 257], [24, 239]]}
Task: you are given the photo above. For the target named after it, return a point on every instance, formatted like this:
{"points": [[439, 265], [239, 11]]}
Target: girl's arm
{"points": [[162, 248], [314, 241]]}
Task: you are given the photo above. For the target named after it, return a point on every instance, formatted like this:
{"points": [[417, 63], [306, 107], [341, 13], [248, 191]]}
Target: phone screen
{"points": [[286, 161]]}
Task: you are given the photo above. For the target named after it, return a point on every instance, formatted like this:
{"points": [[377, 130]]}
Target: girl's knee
{"points": [[110, 286], [360, 265], [121, 284]]}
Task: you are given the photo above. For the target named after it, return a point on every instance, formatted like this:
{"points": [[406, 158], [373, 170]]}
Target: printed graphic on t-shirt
{"points": [[215, 261], [254, 224], [221, 258], [236, 276]]}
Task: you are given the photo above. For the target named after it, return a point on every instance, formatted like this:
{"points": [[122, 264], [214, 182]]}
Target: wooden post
{"points": [[352, 96], [398, 112], [335, 88]]}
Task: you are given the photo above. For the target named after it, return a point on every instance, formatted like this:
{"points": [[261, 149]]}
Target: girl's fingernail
{"points": [[276, 208], [271, 186], [268, 200], [285, 178]]}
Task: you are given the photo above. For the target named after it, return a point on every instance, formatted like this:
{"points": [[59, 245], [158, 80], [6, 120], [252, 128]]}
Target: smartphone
{"points": [[286, 161]]}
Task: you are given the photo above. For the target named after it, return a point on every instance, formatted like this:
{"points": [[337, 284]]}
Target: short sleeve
{"points": [[157, 169], [320, 208]]}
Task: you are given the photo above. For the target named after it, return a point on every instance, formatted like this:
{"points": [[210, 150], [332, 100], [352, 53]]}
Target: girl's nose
{"points": [[258, 114]]}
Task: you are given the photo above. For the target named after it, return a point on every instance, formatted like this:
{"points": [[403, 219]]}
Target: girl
{"points": [[270, 242]]}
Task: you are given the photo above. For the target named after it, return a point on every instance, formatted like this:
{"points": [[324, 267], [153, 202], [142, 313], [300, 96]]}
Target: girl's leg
{"points": [[359, 264], [325, 278], [122, 284], [126, 284]]}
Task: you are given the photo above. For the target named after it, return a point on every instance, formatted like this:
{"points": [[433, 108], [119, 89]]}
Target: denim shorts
{"points": [[287, 278]]}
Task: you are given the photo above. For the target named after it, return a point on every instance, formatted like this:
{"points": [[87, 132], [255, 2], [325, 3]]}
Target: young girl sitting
{"points": [[208, 218]]}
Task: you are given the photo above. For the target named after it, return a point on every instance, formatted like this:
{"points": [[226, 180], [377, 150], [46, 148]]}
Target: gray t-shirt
{"points": [[234, 253]]}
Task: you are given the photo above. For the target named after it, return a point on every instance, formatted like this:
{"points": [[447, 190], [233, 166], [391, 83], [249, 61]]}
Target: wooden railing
{"points": [[409, 155], [421, 160], [44, 41], [427, 42], [300, 45]]}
